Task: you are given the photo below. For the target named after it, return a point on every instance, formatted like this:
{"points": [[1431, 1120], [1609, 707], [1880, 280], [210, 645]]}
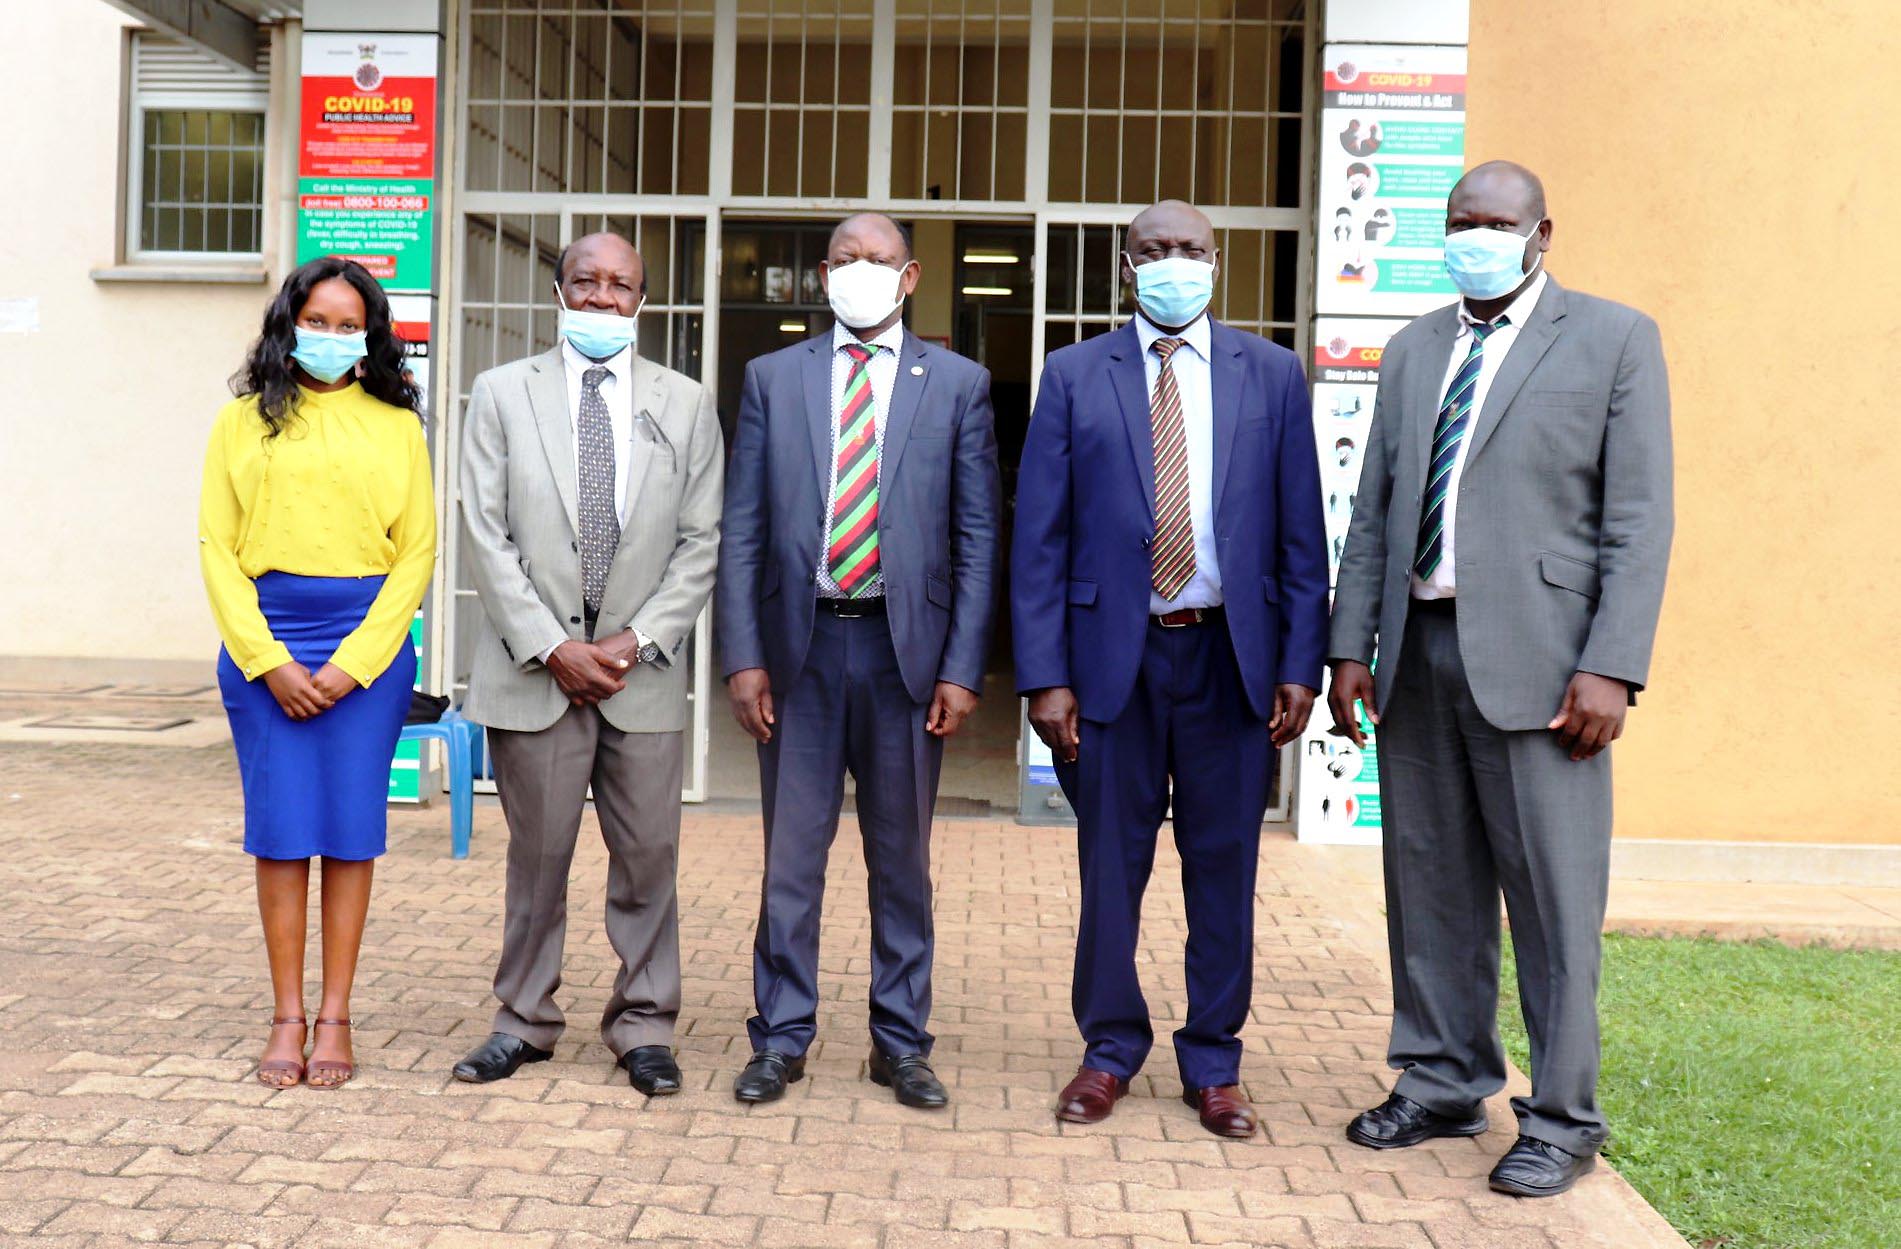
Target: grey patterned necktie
{"points": [[600, 522]]}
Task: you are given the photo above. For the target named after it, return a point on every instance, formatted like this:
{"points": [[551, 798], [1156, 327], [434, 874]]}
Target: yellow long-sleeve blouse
{"points": [[344, 491]]}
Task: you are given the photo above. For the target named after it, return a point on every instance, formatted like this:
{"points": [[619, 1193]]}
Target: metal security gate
{"points": [[667, 119]]}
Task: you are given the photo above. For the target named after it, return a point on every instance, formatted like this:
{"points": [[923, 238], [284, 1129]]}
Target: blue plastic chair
{"points": [[466, 756]]}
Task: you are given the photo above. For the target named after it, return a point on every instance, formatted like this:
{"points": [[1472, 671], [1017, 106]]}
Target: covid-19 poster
{"points": [[367, 154], [1339, 783], [1392, 143]]}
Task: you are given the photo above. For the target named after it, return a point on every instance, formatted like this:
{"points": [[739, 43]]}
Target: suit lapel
{"points": [[1428, 387], [1131, 386], [1227, 377], [1541, 330], [906, 391], [818, 407], [649, 397], [548, 396]]}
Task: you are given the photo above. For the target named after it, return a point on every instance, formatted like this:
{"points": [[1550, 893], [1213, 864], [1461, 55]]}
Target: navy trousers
{"points": [[848, 711], [1189, 721]]}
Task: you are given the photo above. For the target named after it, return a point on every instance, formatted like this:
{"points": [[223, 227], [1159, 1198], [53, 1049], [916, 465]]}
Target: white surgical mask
{"points": [[863, 293], [1490, 262]]}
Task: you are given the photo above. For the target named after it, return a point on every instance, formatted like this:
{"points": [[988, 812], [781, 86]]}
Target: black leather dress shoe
{"points": [[498, 1058], [652, 1070], [911, 1078], [1533, 1168], [1400, 1121], [766, 1076]]}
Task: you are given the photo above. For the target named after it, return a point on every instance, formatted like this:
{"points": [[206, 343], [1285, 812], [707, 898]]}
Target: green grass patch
{"points": [[1753, 1090]]}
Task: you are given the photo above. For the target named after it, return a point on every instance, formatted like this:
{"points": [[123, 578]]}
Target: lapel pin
{"points": [[917, 370]]}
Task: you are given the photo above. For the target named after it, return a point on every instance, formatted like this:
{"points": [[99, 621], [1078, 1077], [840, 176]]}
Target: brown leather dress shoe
{"points": [[1090, 1097], [1224, 1111]]}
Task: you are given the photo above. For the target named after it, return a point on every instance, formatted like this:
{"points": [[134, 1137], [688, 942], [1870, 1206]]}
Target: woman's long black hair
{"points": [[271, 375]]}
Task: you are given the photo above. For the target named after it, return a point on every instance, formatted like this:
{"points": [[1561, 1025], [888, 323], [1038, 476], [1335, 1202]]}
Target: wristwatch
{"points": [[648, 652]]}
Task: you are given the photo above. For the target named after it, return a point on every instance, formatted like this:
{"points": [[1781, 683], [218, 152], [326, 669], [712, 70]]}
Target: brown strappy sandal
{"points": [[270, 1068], [343, 1071]]}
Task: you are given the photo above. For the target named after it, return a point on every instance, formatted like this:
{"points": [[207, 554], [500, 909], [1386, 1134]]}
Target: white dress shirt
{"points": [[884, 377], [1194, 381], [1444, 582], [617, 390]]}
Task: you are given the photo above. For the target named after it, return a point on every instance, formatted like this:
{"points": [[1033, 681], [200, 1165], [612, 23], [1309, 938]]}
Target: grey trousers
{"points": [[1468, 809], [543, 778]]}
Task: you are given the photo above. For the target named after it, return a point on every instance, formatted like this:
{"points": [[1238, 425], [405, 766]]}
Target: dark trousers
{"points": [[1469, 809], [1188, 720], [848, 711]]}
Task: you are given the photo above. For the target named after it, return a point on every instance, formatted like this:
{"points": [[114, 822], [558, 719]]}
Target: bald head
{"points": [[1502, 183], [1173, 221], [869, 236], [601, 273]]}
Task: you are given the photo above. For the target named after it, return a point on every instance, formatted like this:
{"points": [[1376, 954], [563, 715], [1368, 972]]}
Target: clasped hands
{"points": [[302, 695], [750, 692], [1591, 717], [592, 672]]}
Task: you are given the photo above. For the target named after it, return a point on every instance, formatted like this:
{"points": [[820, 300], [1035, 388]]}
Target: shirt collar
{"points": [[892, 340], [1518, 311], [1197, 335], [620, 364]]}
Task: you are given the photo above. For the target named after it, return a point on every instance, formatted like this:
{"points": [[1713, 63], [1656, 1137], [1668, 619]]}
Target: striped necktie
{"points": [[1174, 554], [852, 545], [1455, 415]]}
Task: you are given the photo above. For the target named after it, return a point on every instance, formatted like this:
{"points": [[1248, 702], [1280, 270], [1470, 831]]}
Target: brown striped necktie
{"points": [[1174, 550]]}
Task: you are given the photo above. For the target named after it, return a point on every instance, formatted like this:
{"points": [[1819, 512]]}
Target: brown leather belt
{"points": [[1186, 616]]}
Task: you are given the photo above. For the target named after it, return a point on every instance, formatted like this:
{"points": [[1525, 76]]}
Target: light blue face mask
{"points": [[1174, 290], [597, 335], [327, 357], [1487, 263]]}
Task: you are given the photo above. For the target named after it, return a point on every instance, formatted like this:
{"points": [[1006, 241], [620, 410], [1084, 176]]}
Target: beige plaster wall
{"points": [[1735, 171], [106, 407]]}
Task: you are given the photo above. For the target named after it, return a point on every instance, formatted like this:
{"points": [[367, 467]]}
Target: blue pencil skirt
{"points": [[316, 786]]}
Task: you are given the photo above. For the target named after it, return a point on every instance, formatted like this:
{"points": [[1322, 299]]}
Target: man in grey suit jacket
{"points": [[591, 494], [857, 584], [1507, 559]]}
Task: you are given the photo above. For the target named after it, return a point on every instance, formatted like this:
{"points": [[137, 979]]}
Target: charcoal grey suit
{"points": [[1563, 532], [523, 550]]}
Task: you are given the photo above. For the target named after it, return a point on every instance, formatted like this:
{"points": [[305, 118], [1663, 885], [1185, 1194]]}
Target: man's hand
{"points": [[1058, 721], [950, 706], [1293, 704], [1352, 683], [623, 645], [1592, 716], [750, 691], [333, 682], [291, 686], [586, 673]]}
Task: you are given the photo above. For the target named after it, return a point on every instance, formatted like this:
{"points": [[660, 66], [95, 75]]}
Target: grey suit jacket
{"points": [[520, 515], [1564, 517]]}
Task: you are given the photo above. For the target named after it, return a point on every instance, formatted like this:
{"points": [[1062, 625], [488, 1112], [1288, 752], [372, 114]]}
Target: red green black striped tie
{"points": [[852, 554]]}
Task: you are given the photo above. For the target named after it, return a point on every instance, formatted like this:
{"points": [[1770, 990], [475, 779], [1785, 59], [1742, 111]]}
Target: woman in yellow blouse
{"points": [[317, 535]]}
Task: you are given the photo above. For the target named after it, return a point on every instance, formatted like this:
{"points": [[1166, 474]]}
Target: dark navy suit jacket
{"points": [[940, 507], [1085, 519]]}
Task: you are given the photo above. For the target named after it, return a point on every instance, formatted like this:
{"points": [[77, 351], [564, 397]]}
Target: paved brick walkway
{"points": [[133, 1001]]}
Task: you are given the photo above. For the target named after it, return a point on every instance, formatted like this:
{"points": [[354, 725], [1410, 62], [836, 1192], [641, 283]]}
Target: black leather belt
{"points": [[1187, 616], [1436, 606], [852, 608]]}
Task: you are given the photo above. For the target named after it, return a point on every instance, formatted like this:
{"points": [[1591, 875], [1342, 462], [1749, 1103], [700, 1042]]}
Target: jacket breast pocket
{"points": [[1569, 574], [1082, 593]]}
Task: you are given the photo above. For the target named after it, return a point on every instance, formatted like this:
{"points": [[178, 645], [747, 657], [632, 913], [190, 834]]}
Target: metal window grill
{"points": [[196, 180]]}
